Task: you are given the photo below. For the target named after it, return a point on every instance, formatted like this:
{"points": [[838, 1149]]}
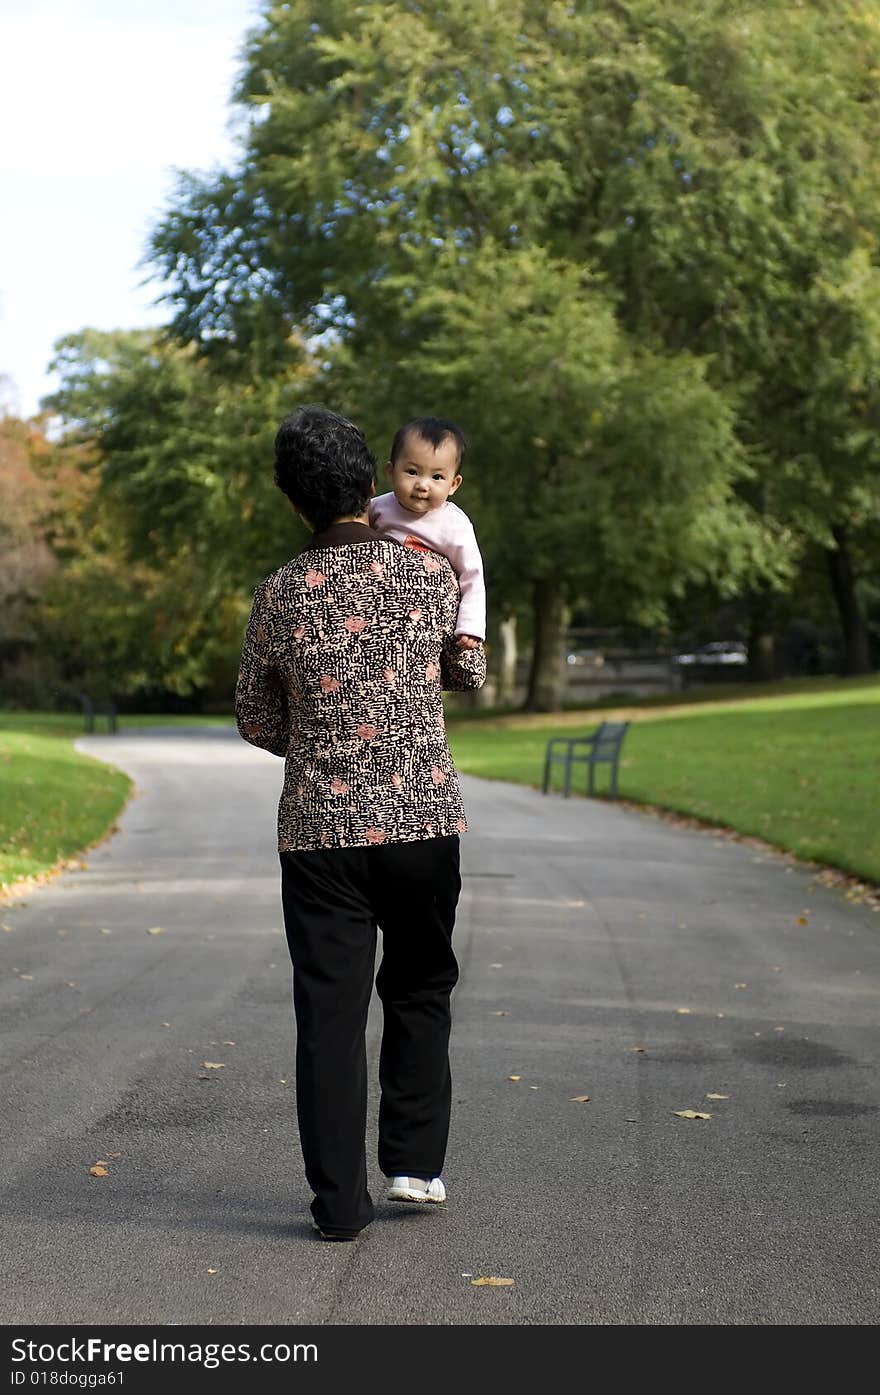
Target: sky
{"points": [[100, 100]]}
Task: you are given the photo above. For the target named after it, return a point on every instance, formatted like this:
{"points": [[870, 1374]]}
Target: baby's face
{"points": [[423, 478]]}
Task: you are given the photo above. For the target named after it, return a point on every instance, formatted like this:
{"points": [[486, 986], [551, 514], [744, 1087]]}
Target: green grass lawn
{"points": [[53, 801], [800, 769]]}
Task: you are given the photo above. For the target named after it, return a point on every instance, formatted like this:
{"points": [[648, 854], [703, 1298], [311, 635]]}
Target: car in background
{"points": [[717, 651]]}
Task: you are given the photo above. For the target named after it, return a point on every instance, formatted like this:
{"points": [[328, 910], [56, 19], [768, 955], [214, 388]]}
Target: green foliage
{"points": [[182, 519]]}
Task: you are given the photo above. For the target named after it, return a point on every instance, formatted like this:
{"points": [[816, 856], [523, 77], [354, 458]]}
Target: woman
{"points": [[346, 652]]}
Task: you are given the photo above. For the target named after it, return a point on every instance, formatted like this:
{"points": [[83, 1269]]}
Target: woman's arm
{"points": [[261, 710]]}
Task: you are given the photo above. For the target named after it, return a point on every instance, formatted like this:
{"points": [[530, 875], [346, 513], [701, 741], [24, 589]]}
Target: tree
{"points": [[181, 521], [26, 561], [399, 147]]}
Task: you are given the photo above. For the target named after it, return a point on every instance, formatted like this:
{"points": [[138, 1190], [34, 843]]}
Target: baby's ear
{"points": [[389, 468], [455, 483]]}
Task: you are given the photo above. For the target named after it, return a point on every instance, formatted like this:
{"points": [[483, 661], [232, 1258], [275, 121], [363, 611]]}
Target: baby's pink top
{"points": [[449, 531]]}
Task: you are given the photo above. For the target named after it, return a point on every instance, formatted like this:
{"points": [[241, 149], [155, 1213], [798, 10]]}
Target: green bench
{"points": [[601, 747], [92, 709]]}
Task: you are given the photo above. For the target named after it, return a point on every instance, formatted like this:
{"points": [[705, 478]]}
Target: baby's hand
{"points": [[467, 642]]}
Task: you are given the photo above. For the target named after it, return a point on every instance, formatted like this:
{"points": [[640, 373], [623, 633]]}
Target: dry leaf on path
{"points": [[212, 1271], [98, 1170], [802, 920], [639, 1050], [114, 1155], [691, 1114], [579, 1099], [214, 1065], [156, 930], [713, 1096], [683, 1011], [514, 1077], [740, 985], [502, 1012], [490, 1281]]}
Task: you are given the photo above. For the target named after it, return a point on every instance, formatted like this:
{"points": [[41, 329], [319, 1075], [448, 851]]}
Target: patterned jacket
{"points": [[346, 651]]}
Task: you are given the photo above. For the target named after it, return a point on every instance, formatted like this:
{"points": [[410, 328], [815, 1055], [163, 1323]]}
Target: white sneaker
{"points": [[415, 1189]]}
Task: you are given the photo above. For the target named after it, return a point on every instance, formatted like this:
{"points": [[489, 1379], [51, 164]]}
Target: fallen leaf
{"points": [[776, 968], [166, 1024], [801, 920], [683, 1011], [29, 977], [72, 983], [8, 929], [206, 1077], [691, 1114], [514, 1077], [98, 1170], [214, 1065], [227, 1043], [713, 1096], [740, 985], [491, 1281], [501, 1013], [779, 1029], [105, 931], [496, 966], [212, 1271], [156, 930], [114, 1155], [638, 1049], [534, 1087], [579, 1099]]}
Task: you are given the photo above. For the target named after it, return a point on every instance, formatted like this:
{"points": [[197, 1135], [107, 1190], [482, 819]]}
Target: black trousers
{"points": [[333, 900]]}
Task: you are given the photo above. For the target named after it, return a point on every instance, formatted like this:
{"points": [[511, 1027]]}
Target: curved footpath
{"points": [[584, 932]]}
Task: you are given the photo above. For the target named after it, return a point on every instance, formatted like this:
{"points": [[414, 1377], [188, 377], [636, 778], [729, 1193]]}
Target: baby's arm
{"points": [[464, 554]]}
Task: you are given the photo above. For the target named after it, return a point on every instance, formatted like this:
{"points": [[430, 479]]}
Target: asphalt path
{"points": [[602, 952]]}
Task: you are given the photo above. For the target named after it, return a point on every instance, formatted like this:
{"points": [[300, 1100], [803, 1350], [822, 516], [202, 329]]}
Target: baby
{"points": [[425, 457]]}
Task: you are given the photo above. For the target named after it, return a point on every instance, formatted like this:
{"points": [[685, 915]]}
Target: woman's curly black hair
{"points": [[324, 465]]}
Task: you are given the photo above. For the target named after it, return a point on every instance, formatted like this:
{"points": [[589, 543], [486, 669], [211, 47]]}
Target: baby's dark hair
{"points": [[434, 430], [324, 465]]}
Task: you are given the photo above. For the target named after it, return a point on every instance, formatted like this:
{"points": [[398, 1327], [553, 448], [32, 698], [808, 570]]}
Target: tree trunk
{"points": [[761, 642], [852, 620], [547, 675], [507, 654]]}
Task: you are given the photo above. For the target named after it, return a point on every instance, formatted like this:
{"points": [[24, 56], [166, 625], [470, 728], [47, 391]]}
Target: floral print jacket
{"points": [[345, 656]]}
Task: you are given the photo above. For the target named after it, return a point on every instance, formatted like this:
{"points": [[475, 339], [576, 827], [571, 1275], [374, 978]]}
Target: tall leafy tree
{"points": [[475, 149], [181, 519]]}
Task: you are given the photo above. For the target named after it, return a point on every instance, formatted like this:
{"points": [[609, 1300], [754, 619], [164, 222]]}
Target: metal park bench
{"points": [[92, 709], [601, 747]]}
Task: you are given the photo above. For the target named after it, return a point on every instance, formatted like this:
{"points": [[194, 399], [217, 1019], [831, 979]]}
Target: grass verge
{"points": [[54, 802], [798, 766]]}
